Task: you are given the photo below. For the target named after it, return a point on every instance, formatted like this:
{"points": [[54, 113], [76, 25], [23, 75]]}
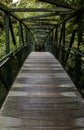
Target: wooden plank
{"points": [[42, 97]]}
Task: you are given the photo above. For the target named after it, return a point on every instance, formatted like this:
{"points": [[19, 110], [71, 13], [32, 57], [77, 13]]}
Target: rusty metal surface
{"points": [[42, 97]]}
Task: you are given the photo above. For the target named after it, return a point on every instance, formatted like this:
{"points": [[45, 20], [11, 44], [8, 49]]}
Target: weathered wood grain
{"points": [[42, 97]]}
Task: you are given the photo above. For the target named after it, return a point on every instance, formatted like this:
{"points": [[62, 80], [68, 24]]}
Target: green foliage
{"points": [[82, 48], [8, 3], [2, 34], [2, 45], [77, 3]]}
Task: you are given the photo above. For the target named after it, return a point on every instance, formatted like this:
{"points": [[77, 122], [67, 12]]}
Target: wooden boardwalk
{"points": [[42, 98]]}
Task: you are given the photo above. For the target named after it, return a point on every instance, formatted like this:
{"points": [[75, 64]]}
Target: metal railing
{"points": [[18, 44], [69, 53]]}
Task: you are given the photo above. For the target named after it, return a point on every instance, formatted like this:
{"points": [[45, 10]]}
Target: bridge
{"points": [[40, 93]]}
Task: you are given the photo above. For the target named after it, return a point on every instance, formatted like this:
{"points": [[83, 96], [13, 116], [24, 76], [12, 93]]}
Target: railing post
{"points": [[46, 43], [26, 35], [56, 40], [78, 57], [79, 30], [70, 46], [77, 69], [8, 66], [52, 37], [49, 41], [56, 35], [60, 39], [22, 34], [63, 42], [20, 38], [52, 40], [7, 34], [29, 38], [12, 32]]}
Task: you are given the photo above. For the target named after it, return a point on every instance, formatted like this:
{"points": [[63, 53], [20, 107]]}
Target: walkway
{"points": [[42, 98]]}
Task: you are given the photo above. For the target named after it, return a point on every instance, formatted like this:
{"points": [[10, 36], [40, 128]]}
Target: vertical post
{"points": [[52, 36], [8, 66], [56, 35], [29, 42], [12, 33], [52, 45], [63, 42], [70, 46], [22, 34], [78, 57], [20, 54], [3, 80], [26, 35], [7, 34], [56, 40], [30, 37], [60, 40], [79, 29], [64, 33], [49, 40], [20, 38]]}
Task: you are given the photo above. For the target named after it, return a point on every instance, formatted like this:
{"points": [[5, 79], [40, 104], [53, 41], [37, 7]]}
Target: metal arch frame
{"points": [[60, 4], [39, 10], [75, 13], [7, 60], [45, 16]]}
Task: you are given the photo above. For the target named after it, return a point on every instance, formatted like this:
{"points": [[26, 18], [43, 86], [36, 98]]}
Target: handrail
{"points": [[75, 50], [5, 60], [52, 33], [12, 53], [9, 54], [65, 53], [8, 71]]}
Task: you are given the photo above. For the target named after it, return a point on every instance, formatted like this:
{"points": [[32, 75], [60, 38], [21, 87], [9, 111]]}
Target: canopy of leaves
{"points": [[78, 3], [7, 2]]}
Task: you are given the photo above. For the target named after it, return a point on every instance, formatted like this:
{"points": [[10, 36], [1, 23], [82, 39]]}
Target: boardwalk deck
{"points": [[42, 98]]}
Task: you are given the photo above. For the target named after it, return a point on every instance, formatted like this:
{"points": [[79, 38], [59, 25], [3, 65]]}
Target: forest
{"points": [[70, 33]]}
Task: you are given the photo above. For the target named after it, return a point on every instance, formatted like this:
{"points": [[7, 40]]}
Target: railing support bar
{"points": [[7, 33]]}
